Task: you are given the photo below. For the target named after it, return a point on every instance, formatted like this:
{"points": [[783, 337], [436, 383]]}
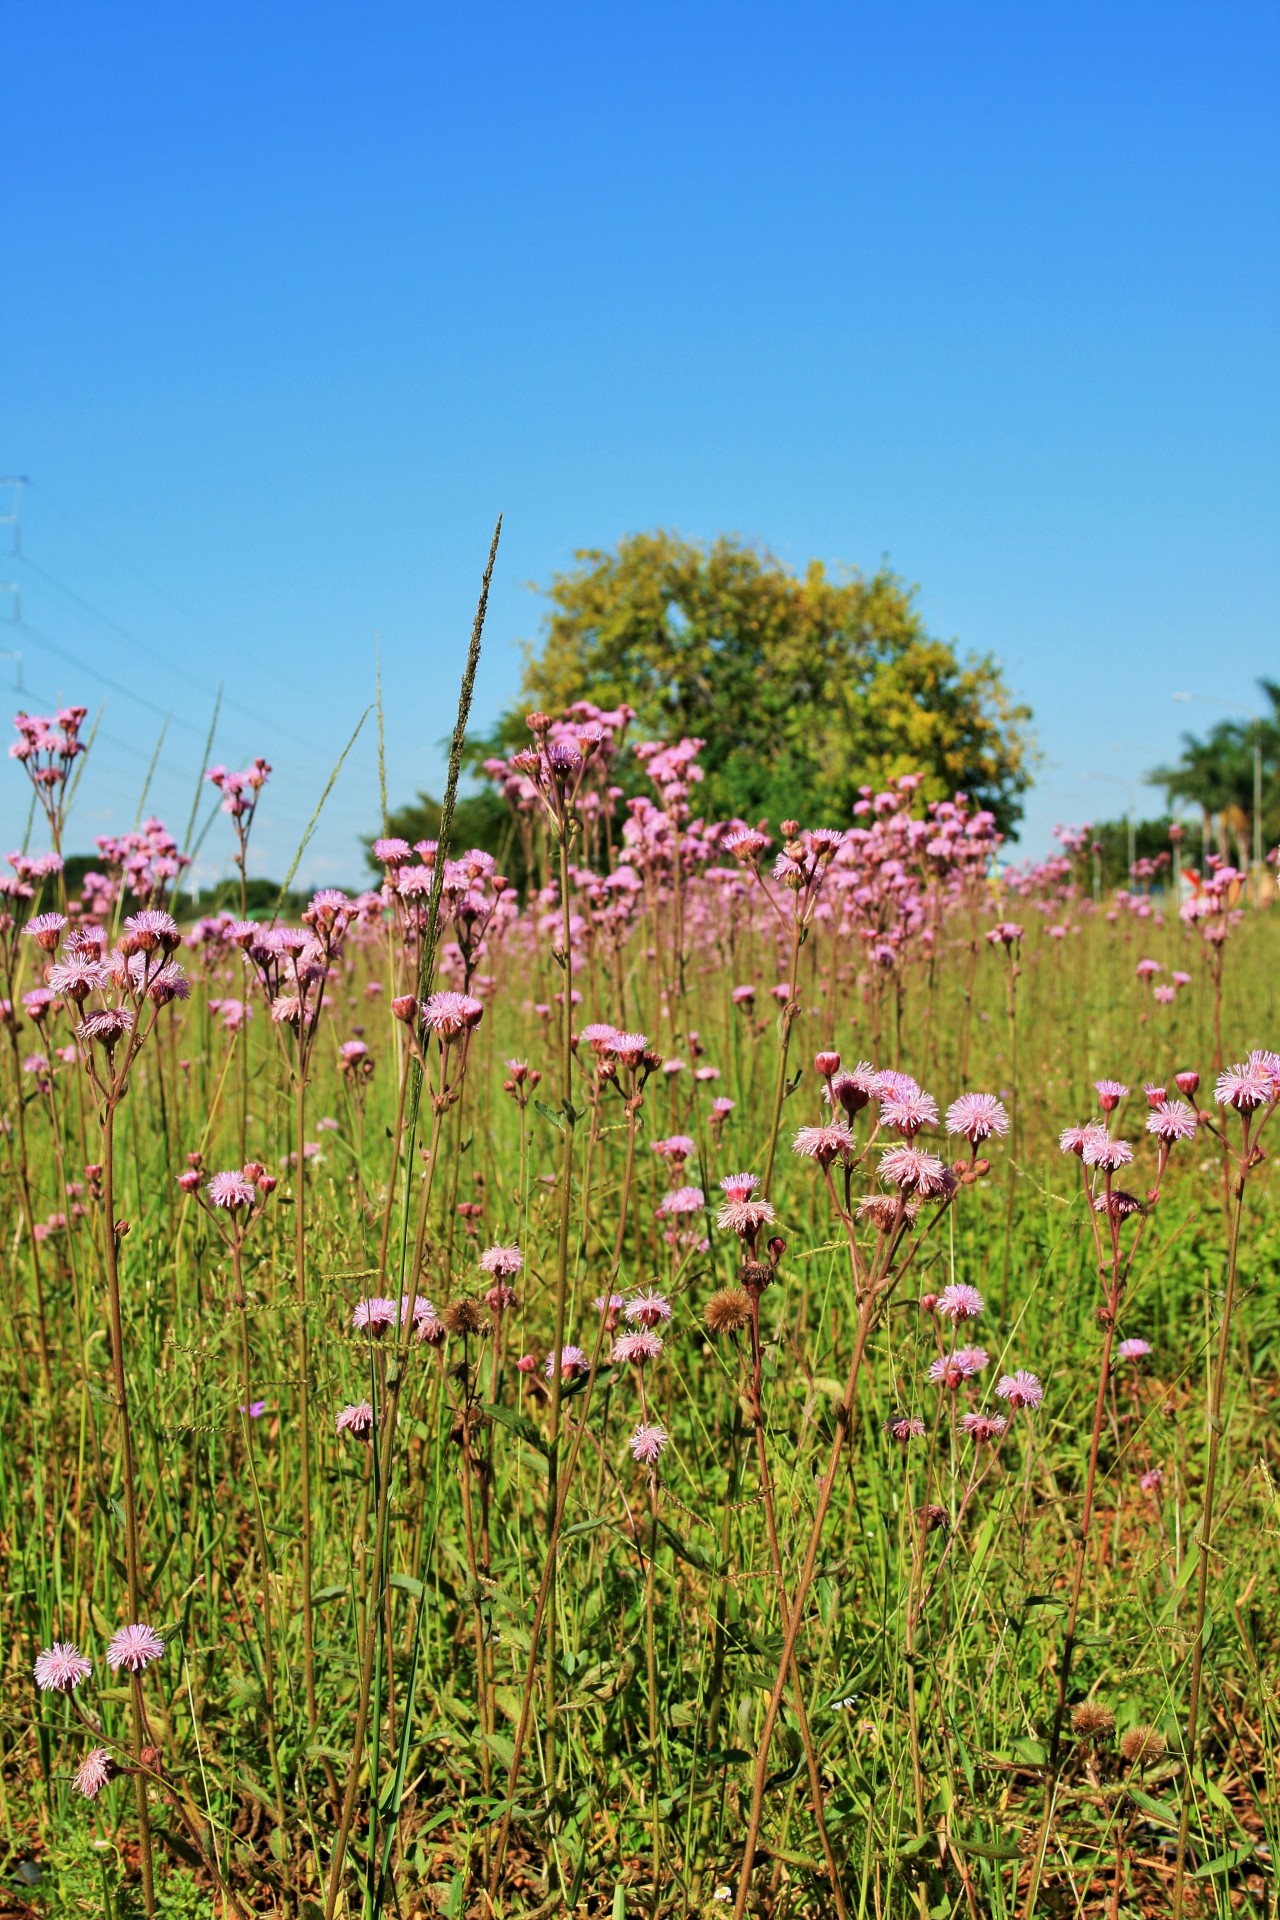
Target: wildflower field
{"points": [[736, 1377]]}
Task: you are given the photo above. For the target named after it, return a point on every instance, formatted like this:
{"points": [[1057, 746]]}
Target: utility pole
{"points": [[15, 482]]}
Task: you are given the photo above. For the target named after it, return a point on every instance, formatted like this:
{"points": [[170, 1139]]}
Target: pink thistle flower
{"points": [[963, 1364], [1118, 1205], [94, 1772], [743, 996], [721, 1108], [151, 929], [1076, 1139], [500, 1298], [908, 1110], [745, 1217], [984, 1426], [1174, 1120], [357, 1419], [823, 1144], [1245, 1086], [1133, 1349], [1005, 933], [647, 1442], [374, 1315], [683, 1200], [61, 1667], [648, 1309], [976, 1116], [1164, 996], [1110, 1093], [1152, 1480], [107, 1026], [677, 1147], [134, 1647], [852, 1088], [572, 1361], [392, 851], [1020, 1389], [504, 1263], [912, 1170], [598, 1036], [231, 1190], [903, 1427], [79, 975], [449, 1014], [1109, 1155], [636, 1349], [885, 1210], [628, 1049], [46, 930], [740, 1186], [959, 1302]]}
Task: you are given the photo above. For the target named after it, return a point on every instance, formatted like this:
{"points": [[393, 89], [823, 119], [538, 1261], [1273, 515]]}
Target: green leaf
{"points": [[405, 1583], [518, 1423], [1225, 1862], [549, 1113]]}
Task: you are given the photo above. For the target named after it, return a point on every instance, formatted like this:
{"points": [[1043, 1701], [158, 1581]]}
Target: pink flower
{"points": [[1247, 1085], [649, 1309], [958, 1302], [823, 1144], [976, 1116], [502, 1262], [636, 1349], [950, 1370], [1109, 1155], [46, 930], [683, 1200], [1110, 1094], [374, 1315], [903, 1427], [628, 1048], [572, 1360], [231, 1190], [449, 1014], [914, 1171], [1133, 1349], [984, 1426], [1173, 1120], [356, 1419], [1020, 1389], [94, 1772], [647, 1442], [908, 1109], [134, 1647], [61, 1667]]}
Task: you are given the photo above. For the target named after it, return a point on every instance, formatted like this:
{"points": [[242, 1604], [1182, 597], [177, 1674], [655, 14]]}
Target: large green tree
{"points": [[804, 686]]}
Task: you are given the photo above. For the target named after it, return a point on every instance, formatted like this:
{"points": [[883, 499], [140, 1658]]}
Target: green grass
{"points": [[432, 1789]]}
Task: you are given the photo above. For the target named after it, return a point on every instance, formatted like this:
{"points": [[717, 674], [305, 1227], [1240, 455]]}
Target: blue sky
{"points": [[298, 298]]}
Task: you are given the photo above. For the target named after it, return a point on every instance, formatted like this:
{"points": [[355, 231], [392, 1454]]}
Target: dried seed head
{"points": [[755, 1276], [1090, 1718], [1142, 1746], [465, 1316], [728, 1311], [930, 1517]]}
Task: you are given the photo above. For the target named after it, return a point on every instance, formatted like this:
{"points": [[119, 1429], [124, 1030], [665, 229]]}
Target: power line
{"points": [[162, 658]]}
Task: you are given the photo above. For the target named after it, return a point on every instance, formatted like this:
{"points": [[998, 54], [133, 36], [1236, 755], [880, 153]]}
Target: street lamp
{"points": [[1233, 706]]}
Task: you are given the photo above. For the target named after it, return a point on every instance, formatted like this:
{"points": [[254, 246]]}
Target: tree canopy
{"points": [[803, 686]]}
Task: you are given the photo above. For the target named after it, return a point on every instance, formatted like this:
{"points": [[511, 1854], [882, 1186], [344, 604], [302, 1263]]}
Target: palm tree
{"points": [[1223, 773]]}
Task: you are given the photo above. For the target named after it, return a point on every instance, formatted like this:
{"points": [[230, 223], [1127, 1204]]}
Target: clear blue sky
{"points": [[295, 299]]}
